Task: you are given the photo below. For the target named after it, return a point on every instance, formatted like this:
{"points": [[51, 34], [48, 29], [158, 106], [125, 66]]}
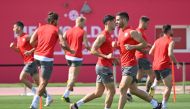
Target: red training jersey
{"points": [[127, 56], [47, 38], [24, 45], [106, 48], [139, 54], [161, 59], [74, 38]]}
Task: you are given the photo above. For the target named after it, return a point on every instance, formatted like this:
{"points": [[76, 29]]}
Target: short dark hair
{"points": [[81, 19], [166, 28], [20, 24], [123, 15], [108, 18], [52, 16], [144, 18]]}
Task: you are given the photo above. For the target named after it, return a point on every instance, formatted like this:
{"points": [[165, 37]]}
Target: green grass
{"points": [[23, 102]]}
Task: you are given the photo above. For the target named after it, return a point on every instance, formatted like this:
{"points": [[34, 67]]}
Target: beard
{"points": [[171, 34], [120, 25], [113, 28]]}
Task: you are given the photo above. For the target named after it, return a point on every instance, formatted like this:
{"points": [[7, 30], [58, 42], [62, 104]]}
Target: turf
{"points": [[23, 102]]}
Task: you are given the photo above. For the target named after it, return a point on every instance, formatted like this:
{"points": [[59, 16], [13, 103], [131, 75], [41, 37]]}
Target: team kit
{"points": [[37, 51]]}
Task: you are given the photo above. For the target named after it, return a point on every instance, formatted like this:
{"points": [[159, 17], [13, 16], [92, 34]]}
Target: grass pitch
{"points": [[23, 102]]}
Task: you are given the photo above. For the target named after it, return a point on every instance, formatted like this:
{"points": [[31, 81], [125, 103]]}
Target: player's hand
{"points": [[27, 53], [129, 47], [12, 45], [114, 44], [72, 51], [149, 45], [109, 56]]}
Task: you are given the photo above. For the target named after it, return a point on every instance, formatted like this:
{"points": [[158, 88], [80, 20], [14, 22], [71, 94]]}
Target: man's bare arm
{"points": [[96, 45], [14, 47], [63, 42], [136, 36], [85, 41], [33, 38]]}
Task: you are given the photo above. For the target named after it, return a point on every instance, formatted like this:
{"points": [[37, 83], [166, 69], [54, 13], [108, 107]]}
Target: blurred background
{"points": [[33, 12]]}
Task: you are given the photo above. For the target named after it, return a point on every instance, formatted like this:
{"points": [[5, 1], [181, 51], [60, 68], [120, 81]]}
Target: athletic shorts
{"points": [[104, 74], [144, 63], [74, 63], [46, 68], [130, 71], [31, 68], [161, 74]]}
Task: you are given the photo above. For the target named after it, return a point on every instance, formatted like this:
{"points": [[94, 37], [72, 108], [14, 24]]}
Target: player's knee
{"points": [[122, 90], [133, 91], [22, 78], [36, 82], [111, 92], [98, 94], [169, 87]]}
